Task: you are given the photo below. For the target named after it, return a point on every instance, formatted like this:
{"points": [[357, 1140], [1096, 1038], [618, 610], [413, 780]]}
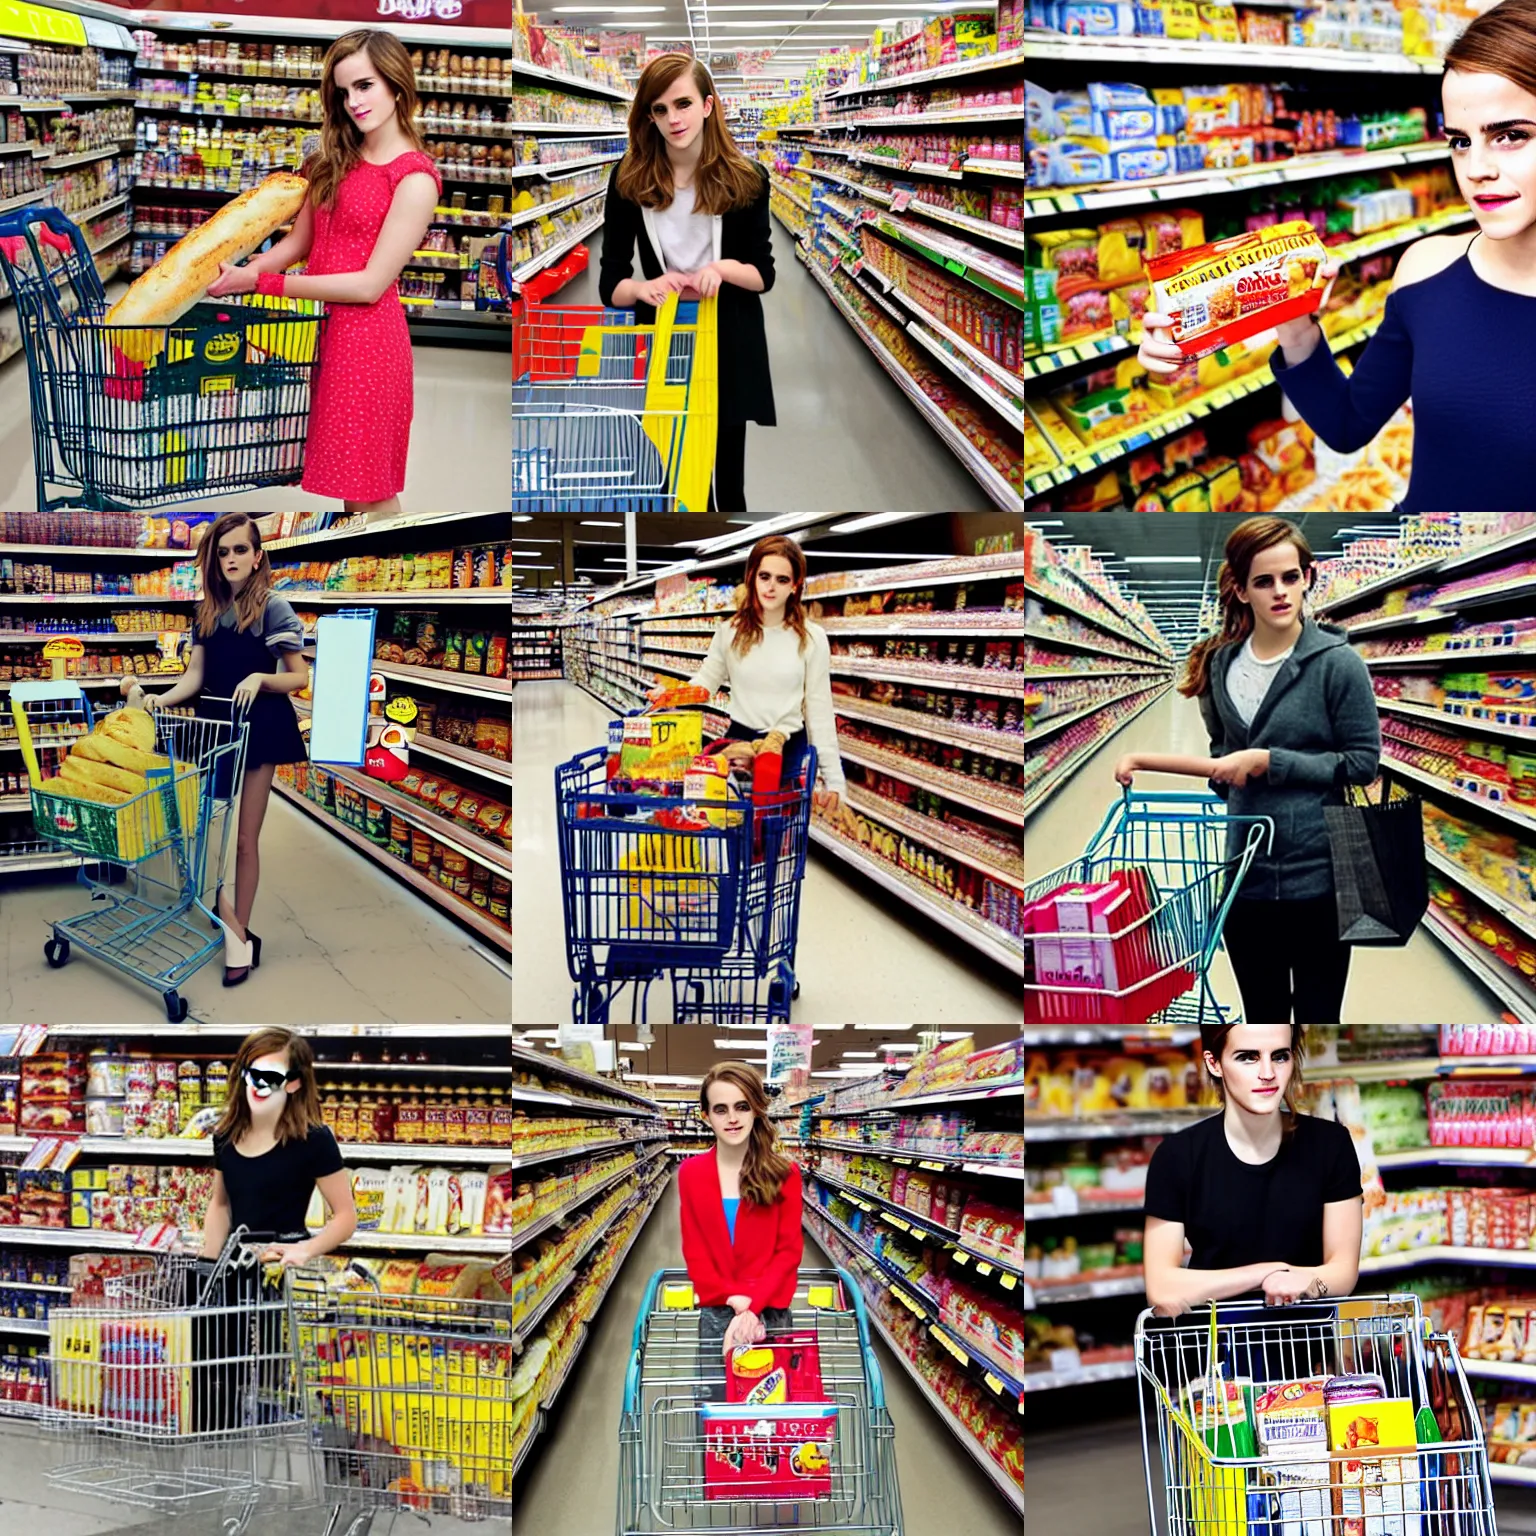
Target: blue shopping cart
{"points": [[125, 417], [611, 416], [714, 908], [146, 860], [1146, 950]]}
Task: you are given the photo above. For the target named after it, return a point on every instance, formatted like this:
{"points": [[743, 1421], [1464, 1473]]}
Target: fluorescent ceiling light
{"points": [[843, 1072], [890, 1029], [524, 565], [522, 517], [539, 1034], [599, 522], [874, 520], [847, 1054], [612, 10]]}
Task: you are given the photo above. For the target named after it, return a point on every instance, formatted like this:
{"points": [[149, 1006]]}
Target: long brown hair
{"points": [[1245, 541], [341, 140], [765, 1168], [1502, 41], [251, 604], [1213, 1038], [748, 620], [301, 1110], [725, 178]]}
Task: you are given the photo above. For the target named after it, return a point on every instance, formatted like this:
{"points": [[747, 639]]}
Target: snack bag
{"points": [[1235, 288], [771, 1451]]}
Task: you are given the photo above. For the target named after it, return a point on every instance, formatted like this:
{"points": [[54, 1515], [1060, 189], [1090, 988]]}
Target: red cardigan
{"points": [[762, 1262]]}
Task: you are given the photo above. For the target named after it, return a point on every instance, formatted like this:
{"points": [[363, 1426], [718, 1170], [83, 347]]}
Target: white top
{"points": [[687, 238], [776, 688], [1248, 680]]}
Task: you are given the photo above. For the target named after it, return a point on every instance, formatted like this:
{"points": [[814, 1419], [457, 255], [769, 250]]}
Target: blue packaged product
{"points": [[1138, 162], [1039, 166], [1094, 18], [1149, 20], [1125, 125], [1171, 118], [1071, 115], [1105, 94], [1186, 157], [1039, 111], [1076, 161]]}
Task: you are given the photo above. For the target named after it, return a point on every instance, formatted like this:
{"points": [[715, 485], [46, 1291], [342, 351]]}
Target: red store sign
{"points": [[495, 14]]}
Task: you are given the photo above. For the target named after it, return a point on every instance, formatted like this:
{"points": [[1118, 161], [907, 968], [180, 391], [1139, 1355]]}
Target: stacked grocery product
{"points": [[473, 567], [415, 641], [535, 652]]}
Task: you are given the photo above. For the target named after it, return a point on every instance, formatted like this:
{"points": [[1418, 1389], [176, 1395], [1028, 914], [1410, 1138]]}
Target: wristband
{"points": [[271, 284]]}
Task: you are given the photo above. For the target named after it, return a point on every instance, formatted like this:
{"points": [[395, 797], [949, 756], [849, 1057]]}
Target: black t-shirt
{"points": [[271, 1193], [1235, 1213]]}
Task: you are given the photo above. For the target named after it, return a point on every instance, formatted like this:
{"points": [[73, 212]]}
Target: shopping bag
{"points": [[1380, 882]]}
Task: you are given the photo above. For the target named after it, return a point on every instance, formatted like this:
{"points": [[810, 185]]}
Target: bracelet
{"points": [[271, 284]]}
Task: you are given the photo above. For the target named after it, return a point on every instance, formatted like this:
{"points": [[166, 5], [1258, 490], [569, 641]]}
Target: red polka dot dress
{"points": [[364, 395]]}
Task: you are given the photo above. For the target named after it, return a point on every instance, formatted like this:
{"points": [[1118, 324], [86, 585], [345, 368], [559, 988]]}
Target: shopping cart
{"points": [[690, 1461], [611, 416], [1417, 1468], [1139, 947], [408, 1399], [715, 908], [174, 1392], [154, 863], [140, 416]]}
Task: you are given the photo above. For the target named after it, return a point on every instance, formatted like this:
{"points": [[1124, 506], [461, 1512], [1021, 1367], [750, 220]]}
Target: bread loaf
{"points": [[81, 789], [133, 727], [79, 767], [174, 284]]}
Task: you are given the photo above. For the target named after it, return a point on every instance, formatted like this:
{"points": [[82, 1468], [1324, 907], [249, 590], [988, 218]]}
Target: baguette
{"points": [[175, 283]]}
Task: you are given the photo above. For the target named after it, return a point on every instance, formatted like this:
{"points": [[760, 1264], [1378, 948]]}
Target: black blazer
{"points": [[746, 389]]}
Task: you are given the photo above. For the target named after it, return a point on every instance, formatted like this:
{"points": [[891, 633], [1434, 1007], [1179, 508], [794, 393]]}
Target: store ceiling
{"points": [[790, 34], [597, 543], [689, 1050], [1136, 546]]}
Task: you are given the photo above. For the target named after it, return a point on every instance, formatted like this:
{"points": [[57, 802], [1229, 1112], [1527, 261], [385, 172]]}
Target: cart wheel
{"points": [[56, 952], [175, 1007], [794, 996]]}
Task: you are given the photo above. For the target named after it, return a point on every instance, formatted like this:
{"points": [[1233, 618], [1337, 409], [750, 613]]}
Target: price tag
{"points": [[896, 1221], [982, 1267], [1007, 1281], [961, 1256], [66, 648], [992, 1381], [906, 1162], [401, 709]]}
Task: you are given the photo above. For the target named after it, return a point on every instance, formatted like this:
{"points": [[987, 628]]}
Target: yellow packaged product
{"points": [[1187, 493]]}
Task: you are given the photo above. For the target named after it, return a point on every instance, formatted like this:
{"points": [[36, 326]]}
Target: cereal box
{"points": [[1234, 288]]}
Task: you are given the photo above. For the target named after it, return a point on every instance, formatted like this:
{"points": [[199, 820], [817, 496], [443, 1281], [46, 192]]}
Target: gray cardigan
{"points": [[1319, 724]]}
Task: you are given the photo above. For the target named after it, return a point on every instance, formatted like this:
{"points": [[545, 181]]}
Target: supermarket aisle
{"points": [[341, 940], [461, 439], [847, 439], [864, 956], [941, 1488], [1379, 979]]}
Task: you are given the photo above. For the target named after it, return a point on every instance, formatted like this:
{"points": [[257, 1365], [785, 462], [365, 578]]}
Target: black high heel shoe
{"points": [[235, 976]]}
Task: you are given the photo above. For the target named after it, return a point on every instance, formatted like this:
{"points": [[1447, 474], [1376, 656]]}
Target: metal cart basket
{"points": [[175, 1394], [140, 416], [716, 908], [612, 416], [1421, 1472], [676, 1474], [1149, 956], [154, 887]]}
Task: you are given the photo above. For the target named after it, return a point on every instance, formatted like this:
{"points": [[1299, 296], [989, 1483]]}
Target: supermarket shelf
{"points": [[23, 200], [1418, 617], [1375, 1071], [24, 1325], [1005, 1485], [920, 1225], [1151, 1123], [84, 157], [951, 785], [543, 210], [984, 383], [1012, 384], [1090, 349], [375, 1031], [932, 832], [406, 523], [1072, 643], [1111, 1370], [1053, 723], [991, 481], [951, 1098], [494, 1243], [1111, 1034], [1057, 1293], [202, 1147], [1209, 183], [1509, 1472], [1037, 794], [915, 1299], [916, 120], [1497, 807], [1121, 631], [1010, 569], [482, 851], [1062, 1208], [32, 1285], [491, 767], [1431, 658], [71, 599], [1493, 549], [553, 1066], [26, 863], [1506, 909], [22, 147], [520, 1235], [531, 1159], [970, 679], [426, 596], [999, 280], [1498, 592], [1457, 1157], [1519, 1000], [1513, 1258], [555, 77], [1008, 59], [453, 682], [934, 1161], [974, 625], [1201, 55], [548, 257], [481, 922], [1501, 1370], [991, 941]]}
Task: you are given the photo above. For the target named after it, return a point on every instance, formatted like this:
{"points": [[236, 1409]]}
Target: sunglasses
{"points": [[269, 1082]]}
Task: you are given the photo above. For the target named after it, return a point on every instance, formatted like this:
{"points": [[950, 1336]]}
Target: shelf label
{"points": [[936, 1167], [1008, 1282], [961, 1256], [949, 1344], [982, 1267], [896, 1221], [992, 1382]]}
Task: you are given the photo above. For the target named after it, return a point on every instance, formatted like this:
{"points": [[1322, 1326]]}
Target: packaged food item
{"points": [[1235, 288]]}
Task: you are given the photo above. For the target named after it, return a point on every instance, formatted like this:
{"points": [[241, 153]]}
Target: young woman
{"points": [[778, 665], [248, 646], [1267, 1200], [740, 1216], [698, 209], [272, 1150], [1460, 324], [1292, 719], [373, 190]]}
